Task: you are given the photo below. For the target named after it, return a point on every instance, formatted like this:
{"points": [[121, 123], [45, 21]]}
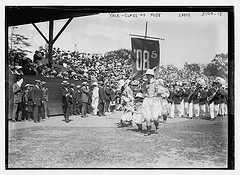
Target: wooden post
{"points": [[50, 42]]}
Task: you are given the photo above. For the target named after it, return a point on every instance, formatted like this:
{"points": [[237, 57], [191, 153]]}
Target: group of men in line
{"points": [[95, 98], [30, 102], [156, 101]]}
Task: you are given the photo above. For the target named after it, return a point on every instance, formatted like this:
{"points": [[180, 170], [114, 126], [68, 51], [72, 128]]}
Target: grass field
{"points": [[193, 143]]}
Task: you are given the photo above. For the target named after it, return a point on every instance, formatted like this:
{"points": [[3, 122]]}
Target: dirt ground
{"points": [[196, 143]]}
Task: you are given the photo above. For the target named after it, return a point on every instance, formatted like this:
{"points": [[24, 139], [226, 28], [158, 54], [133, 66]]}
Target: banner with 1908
{"points": [[146, 55]]}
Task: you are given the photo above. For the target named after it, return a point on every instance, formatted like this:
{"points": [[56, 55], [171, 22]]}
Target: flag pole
{"points": [[144, 46]]}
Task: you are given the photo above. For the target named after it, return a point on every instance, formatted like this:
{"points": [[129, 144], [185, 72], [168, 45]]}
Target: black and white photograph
{"points": [[121, 87]]}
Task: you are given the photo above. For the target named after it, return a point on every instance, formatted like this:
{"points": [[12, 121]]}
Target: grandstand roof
{"points": [[20, 15]]}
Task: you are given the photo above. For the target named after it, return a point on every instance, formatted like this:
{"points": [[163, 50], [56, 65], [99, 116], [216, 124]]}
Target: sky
{"points": [[188, 37]]}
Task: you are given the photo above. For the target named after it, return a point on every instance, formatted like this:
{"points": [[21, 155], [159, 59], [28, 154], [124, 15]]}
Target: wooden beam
{"points": [[50, 43], [39, 31], [146, 37], [62, 29]]}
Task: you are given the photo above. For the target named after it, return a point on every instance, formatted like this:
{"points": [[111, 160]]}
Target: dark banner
{"points": [[146, 55]]}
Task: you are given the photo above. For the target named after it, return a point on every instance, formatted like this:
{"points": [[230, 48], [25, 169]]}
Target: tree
{"points": [[218, 66], [193, 67], [17, 45], [119, 54]]}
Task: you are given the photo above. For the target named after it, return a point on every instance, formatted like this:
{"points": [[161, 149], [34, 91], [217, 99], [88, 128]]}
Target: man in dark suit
{"points": [[17, 100], [37, 96], [78, 100], [45, 99], [73, 93], [84, 98], [66, 100], [102, 99]]}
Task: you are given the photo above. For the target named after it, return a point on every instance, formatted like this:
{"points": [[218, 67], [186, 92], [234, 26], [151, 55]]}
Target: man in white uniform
{"points": [[95, 98], [148, 102]]}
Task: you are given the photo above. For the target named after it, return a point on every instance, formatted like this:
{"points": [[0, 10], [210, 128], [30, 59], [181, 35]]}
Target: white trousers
{"points": [[190, 110], [147, 108], [196, 110], [203, 110], [214, 108], [178, 109], [95, 102], [223, 109]]}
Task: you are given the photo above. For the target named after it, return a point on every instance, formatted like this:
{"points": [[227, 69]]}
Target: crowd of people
{"points": [[73, 65], [149, 99]]}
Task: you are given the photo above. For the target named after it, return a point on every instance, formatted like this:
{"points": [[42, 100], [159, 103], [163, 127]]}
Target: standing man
{"points": [[66, 100], [73, 94], [176, 96], [148, 102], [185, 104], [213, 100], [17, 100], [45, 99], [108, 98], [102, 99], [84, 98], [37, 95], [95, 98], [78, 100]]}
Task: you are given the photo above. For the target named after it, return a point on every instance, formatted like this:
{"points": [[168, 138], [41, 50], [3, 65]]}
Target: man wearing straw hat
{"points": [[37, 101], [66, 100], [45, 99], [84, 98], [17, 100]]}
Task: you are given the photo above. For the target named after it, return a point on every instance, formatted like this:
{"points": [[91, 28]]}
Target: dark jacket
{"points": [[203, 97], [66, 99], [108, 93], [176, 96], [185, 94], [102, 95], [37, 96], [78, 96], [85, 94]]}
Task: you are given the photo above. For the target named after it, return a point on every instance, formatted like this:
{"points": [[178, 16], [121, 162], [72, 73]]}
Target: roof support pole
{"points": [[50, 43], [62, 29], [39, 31]]}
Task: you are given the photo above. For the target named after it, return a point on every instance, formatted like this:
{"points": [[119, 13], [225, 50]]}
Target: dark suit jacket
{"points": [[17, 93], [176, 97], [73, 92], [37, 96], [66, 99], [85, 94], [78, 96], [102, 95]]}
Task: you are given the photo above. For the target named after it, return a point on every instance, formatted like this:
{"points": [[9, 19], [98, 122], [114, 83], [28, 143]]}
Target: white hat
{"points": [[121, 83], [140, 95], [150, 72], [95, 83]]}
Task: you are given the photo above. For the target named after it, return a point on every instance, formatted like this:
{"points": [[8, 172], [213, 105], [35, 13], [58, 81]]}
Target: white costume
{"points": [[95, 99], [148, 102]]}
